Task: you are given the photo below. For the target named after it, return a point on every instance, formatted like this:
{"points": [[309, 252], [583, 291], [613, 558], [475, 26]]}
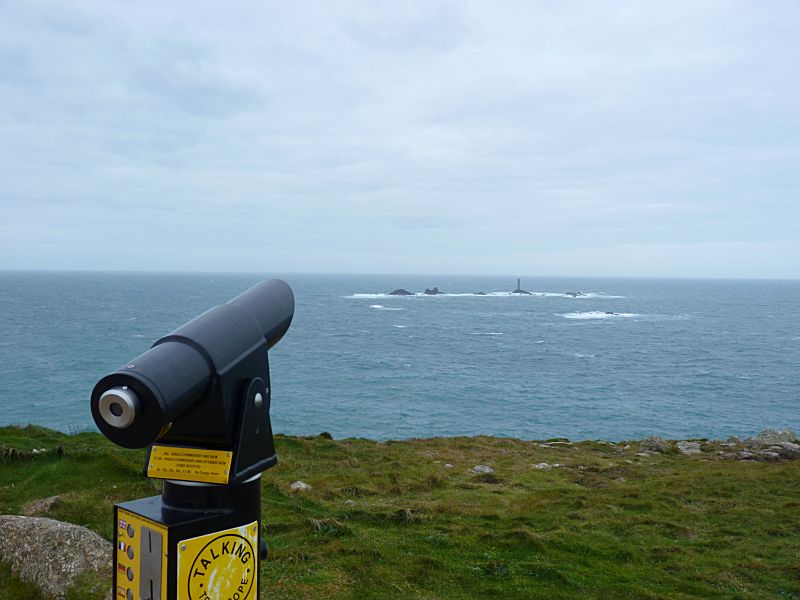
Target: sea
{"points": [[581, 358]]}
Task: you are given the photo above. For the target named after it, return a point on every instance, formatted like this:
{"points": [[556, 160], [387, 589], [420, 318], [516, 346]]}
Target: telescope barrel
{"points": [[136, 404], [271, 302]]}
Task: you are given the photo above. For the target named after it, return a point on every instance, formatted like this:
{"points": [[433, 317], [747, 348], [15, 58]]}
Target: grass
{"points": [[607, 524]]}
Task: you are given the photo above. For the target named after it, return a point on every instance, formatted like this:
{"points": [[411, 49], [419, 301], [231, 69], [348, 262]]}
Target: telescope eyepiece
{"points": [[119, 407]]}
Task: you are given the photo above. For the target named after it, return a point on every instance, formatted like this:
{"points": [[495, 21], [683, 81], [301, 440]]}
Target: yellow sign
{"points": [[220, 565], [189, 464], [140, 558]]}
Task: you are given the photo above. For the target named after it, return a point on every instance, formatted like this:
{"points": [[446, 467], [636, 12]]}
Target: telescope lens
{"points": [[119, 407]]}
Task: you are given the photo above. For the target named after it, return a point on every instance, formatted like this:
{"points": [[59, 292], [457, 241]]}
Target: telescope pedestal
{"points": [[194, 542]]}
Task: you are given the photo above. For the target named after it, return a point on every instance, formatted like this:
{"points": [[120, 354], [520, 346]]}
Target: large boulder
{"points": [[655, 444], [772, 437], [50, 554], [401, 292], [688, 447], [434, 292]]}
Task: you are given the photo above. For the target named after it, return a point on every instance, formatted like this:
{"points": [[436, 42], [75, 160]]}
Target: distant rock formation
{"points": [[575, 294], [480, 293], [434, 292], [519, 290], [401, 292]]}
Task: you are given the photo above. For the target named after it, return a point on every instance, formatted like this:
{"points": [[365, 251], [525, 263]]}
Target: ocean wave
{"points": [[579, 355], [485, 333], [597, 314], [382, 307], [400, 326]]}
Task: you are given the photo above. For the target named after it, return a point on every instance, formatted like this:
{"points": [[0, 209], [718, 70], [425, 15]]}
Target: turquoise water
{"points": [[677, 358]]}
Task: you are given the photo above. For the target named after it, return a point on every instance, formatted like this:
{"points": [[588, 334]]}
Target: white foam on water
{"points": [[579, 355], [485, 333], [400, 326], [541, 341], [367, 296], [597, 314], [382, 307], [583, 295]]}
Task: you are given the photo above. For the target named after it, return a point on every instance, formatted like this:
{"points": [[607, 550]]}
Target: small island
{"points": [[519, 290]]}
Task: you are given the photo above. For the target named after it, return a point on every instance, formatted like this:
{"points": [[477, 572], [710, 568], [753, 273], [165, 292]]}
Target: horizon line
{"points": [[392, 274]]}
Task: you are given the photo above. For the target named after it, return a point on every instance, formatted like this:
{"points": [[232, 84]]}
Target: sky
{"points": [[534, 138]]}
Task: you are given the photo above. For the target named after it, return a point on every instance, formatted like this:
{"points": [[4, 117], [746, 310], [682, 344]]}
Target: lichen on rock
{"points": [[50, 554]]}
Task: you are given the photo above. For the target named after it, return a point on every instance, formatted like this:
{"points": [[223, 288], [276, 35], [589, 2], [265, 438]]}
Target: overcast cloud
{"points": [[579, 138]]}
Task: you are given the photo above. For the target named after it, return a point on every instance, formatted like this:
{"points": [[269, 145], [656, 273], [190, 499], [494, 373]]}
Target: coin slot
{"points": [[150, 557]]}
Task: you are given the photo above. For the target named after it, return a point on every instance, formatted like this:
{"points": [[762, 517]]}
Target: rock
{"points": [[655, 444], [300, 486], [770, 456], [50, 554], [401, 292], [434, 292], [479, 294], [350, 502], [575, 294], [42, 505], [733, 440], [729, 455], [744, 455], [645, 453], [770, 437], [482, 469], [519, 290], [545, 466], [448, 466], [688, 447], [785, 450]]}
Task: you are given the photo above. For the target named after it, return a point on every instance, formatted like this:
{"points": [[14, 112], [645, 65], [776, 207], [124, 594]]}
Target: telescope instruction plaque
{"points": [[189, 464]]}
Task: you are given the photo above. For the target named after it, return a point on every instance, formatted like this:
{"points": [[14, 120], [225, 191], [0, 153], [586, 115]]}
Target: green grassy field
{"points": [[606, 524]]}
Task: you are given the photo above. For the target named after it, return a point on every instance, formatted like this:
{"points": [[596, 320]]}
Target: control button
{"points": [[129, 595], [130, 552], [131, 530], [129, 573]]}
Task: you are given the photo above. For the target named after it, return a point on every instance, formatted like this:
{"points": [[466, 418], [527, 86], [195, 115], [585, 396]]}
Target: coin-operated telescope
{"points": [[199, 400]]}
